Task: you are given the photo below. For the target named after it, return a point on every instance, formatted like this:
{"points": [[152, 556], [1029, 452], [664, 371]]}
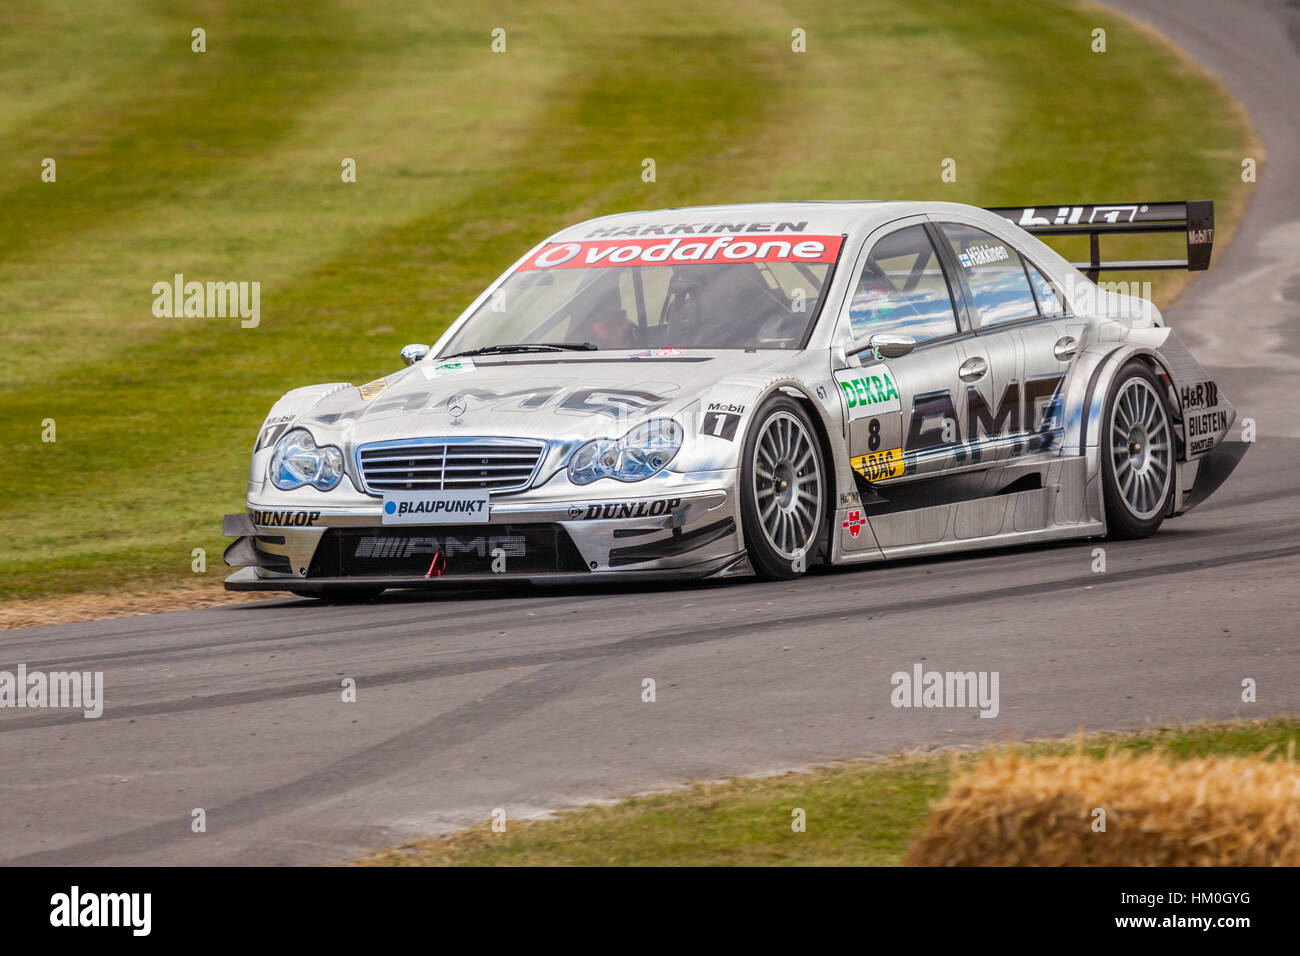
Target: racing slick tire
{"points": [[1137, 453], [782, 490], [341, 595]]}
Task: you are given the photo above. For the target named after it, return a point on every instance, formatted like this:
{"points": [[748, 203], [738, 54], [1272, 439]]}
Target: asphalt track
{"points": [[533, 702]]}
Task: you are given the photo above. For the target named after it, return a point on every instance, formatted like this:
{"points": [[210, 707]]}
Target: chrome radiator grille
{"points": [[462, 464]]}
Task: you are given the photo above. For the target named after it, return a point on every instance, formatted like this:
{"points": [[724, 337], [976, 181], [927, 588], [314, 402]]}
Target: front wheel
{"points": [[783, 490], [1137, 454]]}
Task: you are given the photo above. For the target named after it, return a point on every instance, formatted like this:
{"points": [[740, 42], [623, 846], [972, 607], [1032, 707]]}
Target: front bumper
{"points": [[688, 535]]}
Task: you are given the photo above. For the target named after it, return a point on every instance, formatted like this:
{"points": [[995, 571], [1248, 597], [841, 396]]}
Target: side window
{"points": [[994, 273], [1049, 303], [902, 289]]}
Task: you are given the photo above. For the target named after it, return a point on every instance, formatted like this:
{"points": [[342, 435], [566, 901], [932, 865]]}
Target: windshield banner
{"points": [[687, 250]]}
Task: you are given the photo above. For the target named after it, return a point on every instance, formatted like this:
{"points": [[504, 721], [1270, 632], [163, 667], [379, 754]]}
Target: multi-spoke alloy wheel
{"points": [[783, 494], [1139, 454]]}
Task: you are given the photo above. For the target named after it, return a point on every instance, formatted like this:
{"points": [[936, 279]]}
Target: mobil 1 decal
{"points": [[722, 420], [1029, 412], [874, 409]]}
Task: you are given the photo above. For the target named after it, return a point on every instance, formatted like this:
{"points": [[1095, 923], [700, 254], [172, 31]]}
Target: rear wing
{"points": [[1195, 218]]}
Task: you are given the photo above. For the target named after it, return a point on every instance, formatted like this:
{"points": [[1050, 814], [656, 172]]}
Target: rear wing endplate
{"points": [[1195, 218]]}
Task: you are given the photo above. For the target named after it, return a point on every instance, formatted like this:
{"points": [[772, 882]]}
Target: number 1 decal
{"points": [[721, 425]]}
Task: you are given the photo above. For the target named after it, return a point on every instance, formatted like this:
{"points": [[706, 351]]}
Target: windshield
{"points": [[734, 292]]}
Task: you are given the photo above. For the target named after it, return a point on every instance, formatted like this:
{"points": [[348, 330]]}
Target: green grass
{"points": [[225, 166], [861, 814]]}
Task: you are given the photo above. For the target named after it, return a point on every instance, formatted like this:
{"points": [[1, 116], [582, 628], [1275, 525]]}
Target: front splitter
{"points": [[246, 579]]}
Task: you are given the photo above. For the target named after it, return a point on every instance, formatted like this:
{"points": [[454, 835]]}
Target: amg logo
{"points": [[514, 546], [1031, 408]]}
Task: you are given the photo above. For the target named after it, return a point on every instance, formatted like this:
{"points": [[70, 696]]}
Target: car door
{"points": [[904, 415], [1012, 413], [1049, 346]]}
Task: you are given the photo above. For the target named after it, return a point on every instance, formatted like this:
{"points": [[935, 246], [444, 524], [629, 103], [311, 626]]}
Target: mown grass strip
{"points": [[857, 814]]}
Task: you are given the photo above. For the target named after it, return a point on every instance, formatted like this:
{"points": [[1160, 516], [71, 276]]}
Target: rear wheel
{"points": [[783, 490], [1137, 454]]}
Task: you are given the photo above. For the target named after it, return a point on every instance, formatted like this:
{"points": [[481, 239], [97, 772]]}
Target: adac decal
{"points": [[625, 509], [657, 353], [372, 389], [879, 465], [1199, 396], [284, 519], [683, 251], [868, 391], [1031, 409]]}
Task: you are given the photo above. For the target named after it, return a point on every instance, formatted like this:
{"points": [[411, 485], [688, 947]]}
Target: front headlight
{"points": [[298, 461], [644, 451]]}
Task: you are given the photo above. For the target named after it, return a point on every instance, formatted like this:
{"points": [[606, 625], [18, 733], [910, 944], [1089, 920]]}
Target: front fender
{"points": [[720, 420], [290, 407]]}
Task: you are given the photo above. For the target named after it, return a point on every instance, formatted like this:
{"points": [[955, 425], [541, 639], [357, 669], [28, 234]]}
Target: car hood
{"points": [[545, 396]]}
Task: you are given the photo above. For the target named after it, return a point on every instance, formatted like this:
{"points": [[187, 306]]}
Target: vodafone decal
{"points": [[593, 254]]}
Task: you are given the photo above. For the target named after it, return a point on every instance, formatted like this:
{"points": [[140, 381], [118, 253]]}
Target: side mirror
{"points": [[413, 353], [888, 345]]}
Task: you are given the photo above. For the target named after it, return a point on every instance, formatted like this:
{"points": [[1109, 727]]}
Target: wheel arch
{"points": [[833, 491], [801, 395]]}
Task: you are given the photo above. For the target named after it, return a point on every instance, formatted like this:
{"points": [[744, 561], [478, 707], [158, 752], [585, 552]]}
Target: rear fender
{"points": [[1201, 413]]}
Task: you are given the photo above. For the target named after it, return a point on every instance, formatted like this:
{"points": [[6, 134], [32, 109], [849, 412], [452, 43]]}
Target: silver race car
{"points": [[757, 389]]}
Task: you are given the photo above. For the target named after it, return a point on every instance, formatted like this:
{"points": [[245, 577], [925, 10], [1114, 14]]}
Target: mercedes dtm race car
{"points": [[755, 389]]}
